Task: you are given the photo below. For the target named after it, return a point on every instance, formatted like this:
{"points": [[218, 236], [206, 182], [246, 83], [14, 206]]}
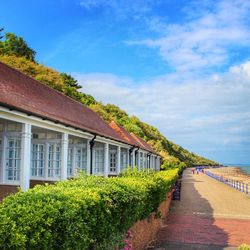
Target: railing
{"points": [[239, 185]]}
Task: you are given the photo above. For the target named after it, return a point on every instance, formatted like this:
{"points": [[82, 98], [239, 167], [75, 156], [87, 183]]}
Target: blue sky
{"points": [[183, 66]]}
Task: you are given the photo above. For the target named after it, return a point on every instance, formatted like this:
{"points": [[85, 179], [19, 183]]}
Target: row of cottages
{"points": [[46, 136]]}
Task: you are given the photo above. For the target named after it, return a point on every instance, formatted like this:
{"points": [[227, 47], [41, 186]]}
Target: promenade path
{"points": [[210, 215]]}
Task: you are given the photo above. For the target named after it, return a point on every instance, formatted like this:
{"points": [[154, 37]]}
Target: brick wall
{"points": [[144, 231], [6, 190], [37, 182]]}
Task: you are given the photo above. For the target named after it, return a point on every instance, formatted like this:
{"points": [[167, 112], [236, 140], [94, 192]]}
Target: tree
{"points": [[70, 81], [15, 52], [14, 45]]}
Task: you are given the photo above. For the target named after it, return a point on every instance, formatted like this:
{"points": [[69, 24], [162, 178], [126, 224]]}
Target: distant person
{"points": [[197, 170], [193, 170]]}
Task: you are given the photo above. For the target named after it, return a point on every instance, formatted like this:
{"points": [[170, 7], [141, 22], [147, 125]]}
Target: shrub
{"points": [[85, 213], [244, 247]]}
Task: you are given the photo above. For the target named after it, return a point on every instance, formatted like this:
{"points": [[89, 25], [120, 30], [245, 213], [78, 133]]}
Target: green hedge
{"points": [[85, 213], [244, 247]]}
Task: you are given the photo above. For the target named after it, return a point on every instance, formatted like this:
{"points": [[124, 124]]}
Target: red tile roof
{"points": [[25, 94], [123, 133], [143, 144], [131, 138]]}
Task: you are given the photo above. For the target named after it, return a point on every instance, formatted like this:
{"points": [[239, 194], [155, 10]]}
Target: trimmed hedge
{"points": [[244, 247], [85, 213]]}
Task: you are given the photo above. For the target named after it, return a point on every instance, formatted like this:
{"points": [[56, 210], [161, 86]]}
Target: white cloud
{"points": [[208, 113], [242, 70], [121, 8], [205, 37], [212, 112]]}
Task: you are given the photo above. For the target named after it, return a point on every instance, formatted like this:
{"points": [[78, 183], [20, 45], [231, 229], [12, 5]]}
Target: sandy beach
{"points": [[231, 176]]}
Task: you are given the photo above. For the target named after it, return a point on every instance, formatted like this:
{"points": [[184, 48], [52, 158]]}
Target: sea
{"points": [[244, 167]]}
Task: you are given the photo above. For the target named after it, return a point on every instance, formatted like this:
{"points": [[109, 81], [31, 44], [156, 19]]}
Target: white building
{"points": [[46, 136]]}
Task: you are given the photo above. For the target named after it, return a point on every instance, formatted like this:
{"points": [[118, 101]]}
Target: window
{"points": [[0, 157], [145, 161], [141, 160], [98, 160], [54, 160], [53, 136], [38, 164], [77, 156], [112, 160], [131, 159], [70, 161], [12, 127], [137, 159], [124, 160], [35, 136], [81, 159], [39, 136], [13, 159]]}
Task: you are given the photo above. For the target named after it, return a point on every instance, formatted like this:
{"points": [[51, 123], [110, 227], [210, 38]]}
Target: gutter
{"points": [[136, 153], [92, 144], [149, 156], [131, 151]]}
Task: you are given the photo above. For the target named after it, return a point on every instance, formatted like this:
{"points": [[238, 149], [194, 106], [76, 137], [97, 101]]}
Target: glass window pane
{"points": [[70, 161], [54, 160], [37, 161], [99, 161], [13, 159]]}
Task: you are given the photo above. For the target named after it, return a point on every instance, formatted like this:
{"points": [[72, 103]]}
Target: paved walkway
{"points": [[210, 215]]}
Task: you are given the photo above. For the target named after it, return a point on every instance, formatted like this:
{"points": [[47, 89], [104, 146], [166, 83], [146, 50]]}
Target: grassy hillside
{"points": [[171, 152]]}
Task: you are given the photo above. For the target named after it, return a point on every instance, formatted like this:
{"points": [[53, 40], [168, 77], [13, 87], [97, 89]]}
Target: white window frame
{"points": [[98, 167], [47, 142], [75, 144], [16, 159], [70, 172], [145, 164], [113, 160], [1, 158], [38, 163], [4, 135], [55, 161], [141, 160], [81, 158], [124, 159]]}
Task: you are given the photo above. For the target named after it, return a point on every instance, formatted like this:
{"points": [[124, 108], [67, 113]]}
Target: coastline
{"points": [[243, 167], [230, 174]]}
